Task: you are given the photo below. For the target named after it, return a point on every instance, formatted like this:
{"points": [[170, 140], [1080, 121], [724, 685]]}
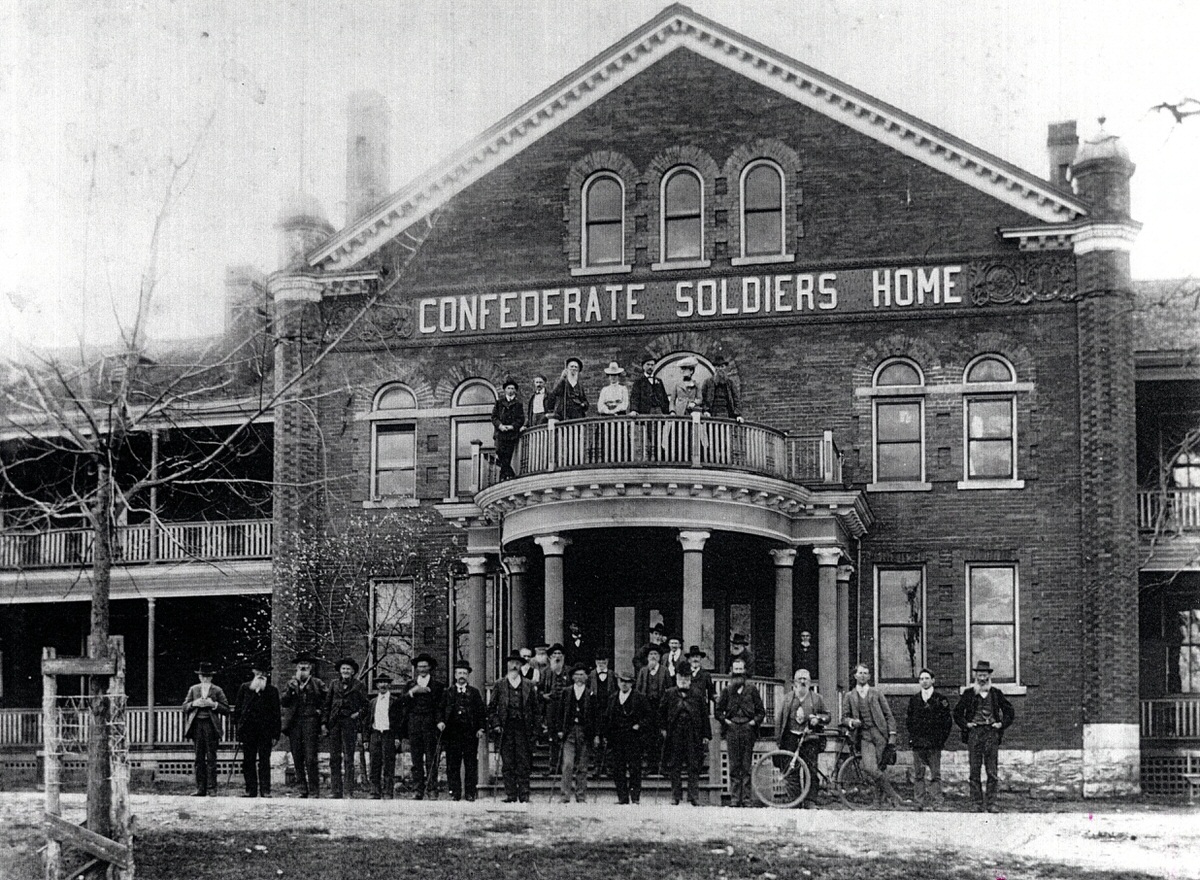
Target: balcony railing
{"points": [[666, 441], [23, 727], [1171, 718], [1169, 510], [152, 542]]}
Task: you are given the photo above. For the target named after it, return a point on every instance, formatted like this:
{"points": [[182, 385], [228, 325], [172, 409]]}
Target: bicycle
{"points": [[782, 778]]}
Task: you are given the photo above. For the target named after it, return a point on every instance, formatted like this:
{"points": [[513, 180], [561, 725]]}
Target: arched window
{"points": [[471, 426], [899, 422], [394, 445], [989, 420], [682, 215], [603, 220], [762, 209]]}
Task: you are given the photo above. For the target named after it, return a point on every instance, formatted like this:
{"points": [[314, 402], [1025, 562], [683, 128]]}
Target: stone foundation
{"points": [[1111, 760]]}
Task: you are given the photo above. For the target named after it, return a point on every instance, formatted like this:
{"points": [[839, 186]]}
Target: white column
{"points": [[843, 625], [518, 569], [151, 732], [827, 562], [477, 609], [693, 584], [785, 560], [553, 547]]}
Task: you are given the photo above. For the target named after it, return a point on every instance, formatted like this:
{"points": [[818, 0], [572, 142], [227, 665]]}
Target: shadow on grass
{"points": [[215, 856]]}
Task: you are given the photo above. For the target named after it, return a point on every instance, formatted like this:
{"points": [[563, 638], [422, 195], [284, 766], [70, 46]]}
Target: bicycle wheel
{"points": [[780, 779], [853, 786]]}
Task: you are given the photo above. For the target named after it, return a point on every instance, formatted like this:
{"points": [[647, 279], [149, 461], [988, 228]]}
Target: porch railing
{"points": [[1171, 718], [666, 441], [23, 727], [147, 543], [1169, 510]]}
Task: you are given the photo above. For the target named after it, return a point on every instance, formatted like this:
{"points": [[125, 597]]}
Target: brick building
{"points": [[932, 350]]}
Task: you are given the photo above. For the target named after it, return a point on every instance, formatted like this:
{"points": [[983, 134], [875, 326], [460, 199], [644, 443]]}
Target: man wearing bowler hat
{"points": [[205, 703], [624, 727], [658, 637], [702, 679], [344, 706], [515, 717], [424, 701], [577, 727], [652, 683], [740, 713], [983, 714], [554, 680], [463, 724], [304, 700], [256, 715], [718, 397], [683, 720], [508, 417], [383, 725], [739, 649]]}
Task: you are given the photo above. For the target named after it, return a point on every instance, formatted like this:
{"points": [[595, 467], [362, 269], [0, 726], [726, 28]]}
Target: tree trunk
{"points": [[99, 793]]}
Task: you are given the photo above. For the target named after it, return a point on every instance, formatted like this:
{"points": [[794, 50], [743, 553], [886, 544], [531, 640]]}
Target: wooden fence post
{"points": [[122, 829], [52, 770]]}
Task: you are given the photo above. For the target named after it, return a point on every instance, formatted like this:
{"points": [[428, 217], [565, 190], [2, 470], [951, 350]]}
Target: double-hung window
{"points": [[992, 631], [472, 432], [682, 216], [393, 445], [900, 617], [763, 207], [989, 423], [603, 221], [899, 426]]}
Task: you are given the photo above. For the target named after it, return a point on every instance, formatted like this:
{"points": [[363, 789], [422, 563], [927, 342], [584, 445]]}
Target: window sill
{"points": [[1009, 690], [600, 270], [668, 265], [900, 486], [991, 484], [761, 259], [390, 503]]}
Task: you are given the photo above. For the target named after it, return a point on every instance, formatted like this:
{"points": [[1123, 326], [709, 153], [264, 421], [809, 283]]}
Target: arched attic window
{"points": [[682, 215], [603, 220]]}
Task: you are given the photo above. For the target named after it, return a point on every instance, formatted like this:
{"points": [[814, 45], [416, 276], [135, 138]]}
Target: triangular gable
{"points": [[678, 27]]}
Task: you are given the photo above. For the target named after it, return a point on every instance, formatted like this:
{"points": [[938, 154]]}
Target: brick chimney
{"points": [[1061, 143], [368, 147], [1101, 172]]}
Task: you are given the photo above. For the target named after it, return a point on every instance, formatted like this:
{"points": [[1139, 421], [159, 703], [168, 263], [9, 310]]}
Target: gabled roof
{"points": [[678, 27]]}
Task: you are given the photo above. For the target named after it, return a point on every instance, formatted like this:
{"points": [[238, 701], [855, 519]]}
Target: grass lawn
{"points": [[310, 853]]}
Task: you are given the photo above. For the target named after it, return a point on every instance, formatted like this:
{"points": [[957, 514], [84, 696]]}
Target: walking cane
{"points": [[233, 764], [558, 773], [431, 775]]}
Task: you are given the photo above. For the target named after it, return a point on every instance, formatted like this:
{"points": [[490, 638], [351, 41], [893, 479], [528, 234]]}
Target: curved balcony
{"points": [[667, 471]]}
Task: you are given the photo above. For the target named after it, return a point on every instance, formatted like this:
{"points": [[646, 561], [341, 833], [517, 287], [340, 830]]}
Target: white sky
{"points": [[97, 97]]}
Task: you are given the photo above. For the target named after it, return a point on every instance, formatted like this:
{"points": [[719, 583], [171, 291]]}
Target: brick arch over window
{"points": [[793, 193], [704, 165], [469, 368], [600, 160], [992, 342], [900, 345], [381, 375]]}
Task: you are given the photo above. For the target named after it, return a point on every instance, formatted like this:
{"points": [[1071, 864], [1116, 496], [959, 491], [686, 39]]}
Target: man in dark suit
{"points": [[652, 683], [602, 684], [648, 396], [702, 679], [515, 717], [683, 720], [540, 404], [463, 724], [205, 703], [577, 727], [553, 681], [806, 652], [424, 701], [508, 417], [658, 638], [383, 725], [304, 700], [740, 713], [625, 720], [983, 713], [256, 714], [576, 647], [344, 706]]}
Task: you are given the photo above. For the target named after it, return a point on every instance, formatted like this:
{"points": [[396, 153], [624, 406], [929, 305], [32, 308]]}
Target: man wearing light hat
{"points": [[685, 399], [508, 417], [983, 714], [463, 724], [344, 707], [624, 728], [205, 702], [256, 715]]}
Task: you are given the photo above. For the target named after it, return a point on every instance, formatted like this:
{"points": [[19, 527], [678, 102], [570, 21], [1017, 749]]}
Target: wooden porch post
{"points": [[151, 723]]}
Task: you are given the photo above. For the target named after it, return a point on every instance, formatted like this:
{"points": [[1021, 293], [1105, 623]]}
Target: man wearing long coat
{"points": [[508, 417], [683, 719], [345, 703], [463, 724], [625, 721], [256, 714], [515, 717], [304, 701], [205, 703]]}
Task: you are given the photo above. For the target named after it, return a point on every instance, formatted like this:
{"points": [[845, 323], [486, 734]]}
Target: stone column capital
{"points": [[830, 556], [844, 572], [693, 541], [516, 564], [785, 557], [476, 565], [552, 545]]}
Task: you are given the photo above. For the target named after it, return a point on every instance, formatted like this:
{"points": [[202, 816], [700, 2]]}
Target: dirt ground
{"points": [[1156, 840]]}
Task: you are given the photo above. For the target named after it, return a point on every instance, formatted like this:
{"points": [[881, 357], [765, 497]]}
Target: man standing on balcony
{"points": [[983, 713], [540, 403], [648, 396], [256, 714], [719, 397], [204, 704], [686, 398], [740, 713], [344, 707], [424, 701], [304, 698], [508, 417], [463, 723], [570, 398]]}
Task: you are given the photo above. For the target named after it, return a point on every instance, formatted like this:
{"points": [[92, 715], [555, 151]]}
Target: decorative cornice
{"points": [[1106, 237], [294, 288], [675, 28], [476, 565]]}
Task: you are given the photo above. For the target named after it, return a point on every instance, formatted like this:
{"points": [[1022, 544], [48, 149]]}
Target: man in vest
{"points": [[515, 718], [683, 719], [205, 703], [577, 726], [344, 707], [384, 728], [652, 683], [625, 720], [983, 713], [740, 713], [463, 725], [424, 702], [256, 714], [304, 698]]}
